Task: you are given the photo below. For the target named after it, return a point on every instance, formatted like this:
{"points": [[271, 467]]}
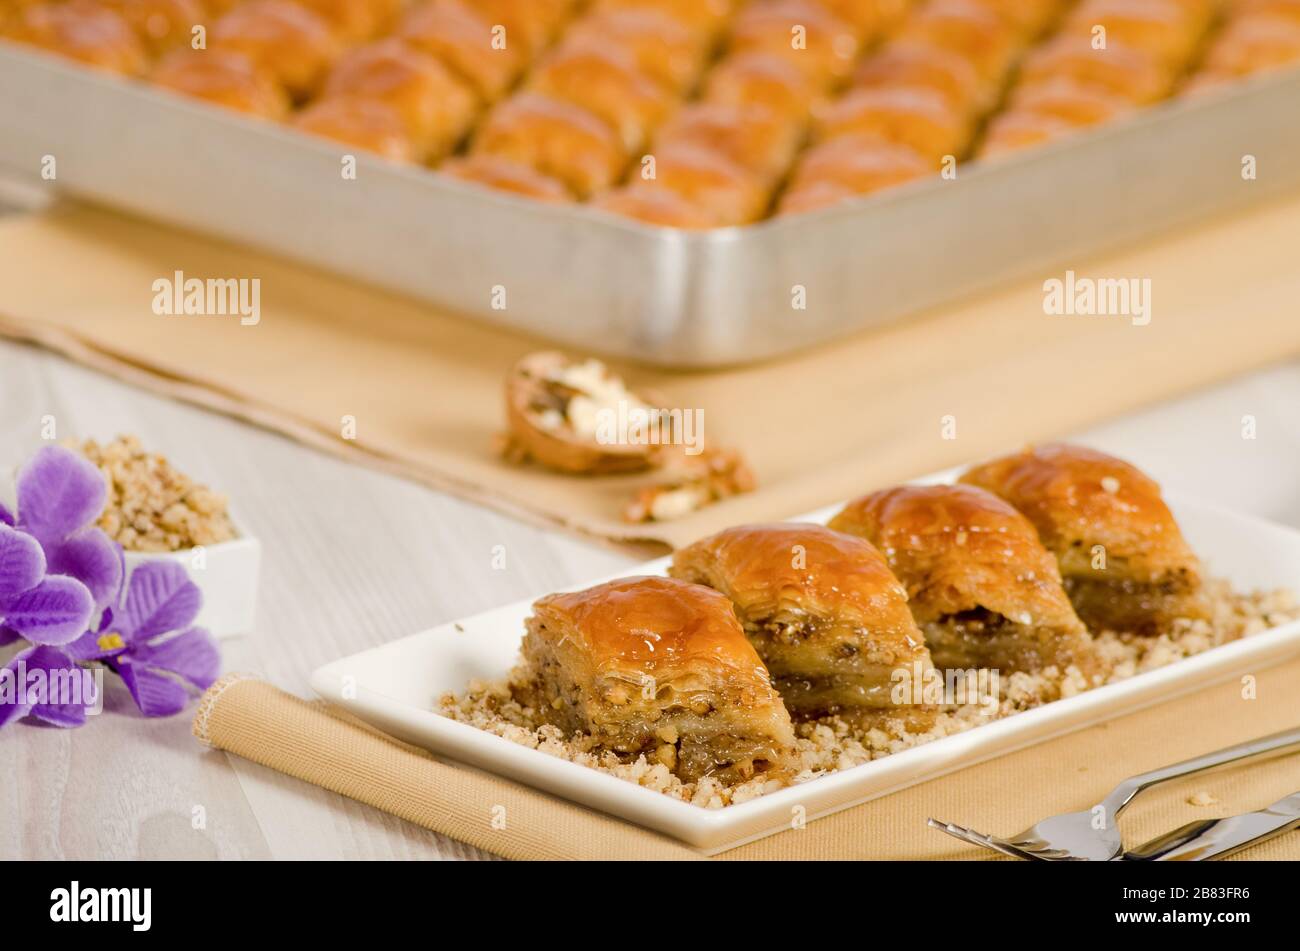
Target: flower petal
{"points": [[6, 516], [193, 656], [156, 694], [160, 598], [56, 611], [12, 691], [93, 559], [60, 694], [68, 689], [59, 492], [22, 563]]}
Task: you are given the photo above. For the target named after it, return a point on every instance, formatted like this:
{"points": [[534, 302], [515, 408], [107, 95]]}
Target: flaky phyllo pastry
{"points": [[1125, 563], [824, 613], [661, 667], [983, 589]]}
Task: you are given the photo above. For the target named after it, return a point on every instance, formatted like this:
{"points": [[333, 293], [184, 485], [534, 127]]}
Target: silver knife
{"points": [[1216, 838]]}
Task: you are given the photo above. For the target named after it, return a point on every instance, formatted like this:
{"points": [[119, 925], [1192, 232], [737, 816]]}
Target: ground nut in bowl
{"points": [[155, 511]]}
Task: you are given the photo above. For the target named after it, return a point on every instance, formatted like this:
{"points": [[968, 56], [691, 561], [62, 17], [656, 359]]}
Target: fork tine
{"points": [[968, 836]]}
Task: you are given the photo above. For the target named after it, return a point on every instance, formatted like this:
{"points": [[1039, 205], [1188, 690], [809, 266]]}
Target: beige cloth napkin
{"points": [[424, 388], [325, 746]]}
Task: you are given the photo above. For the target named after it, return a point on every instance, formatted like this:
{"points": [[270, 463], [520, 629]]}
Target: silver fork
{"points": [[1093, 834]]}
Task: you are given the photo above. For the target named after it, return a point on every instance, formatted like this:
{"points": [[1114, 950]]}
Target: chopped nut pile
{"points": [[152, 507]]}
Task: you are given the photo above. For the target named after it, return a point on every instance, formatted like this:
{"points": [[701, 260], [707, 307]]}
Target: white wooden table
{"points": [[354, 558]]}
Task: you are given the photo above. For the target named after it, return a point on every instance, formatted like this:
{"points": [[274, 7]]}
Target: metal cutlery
{"points": [[1093, 834]]}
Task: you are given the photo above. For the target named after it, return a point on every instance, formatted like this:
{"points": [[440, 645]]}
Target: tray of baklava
{"points": [[672, 180], [779, 672]]}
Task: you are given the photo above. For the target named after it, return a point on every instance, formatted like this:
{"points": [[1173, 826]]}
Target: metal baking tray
{"points": [[685, 299]]}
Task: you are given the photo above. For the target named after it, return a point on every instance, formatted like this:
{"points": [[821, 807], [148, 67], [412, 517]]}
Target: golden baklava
{"points": [[753, 137], [707, 179], [761, 79], [436, 108], [655, 205], [917, 117], [850, 166], [928, 67], [1125, 73], [81, 30], [504, 175], [803, 33], [826, 615], [656, 667], [1124, 560], [662, 48], [981, 586], [162, 25], [223, 77], [290, 42], [367, 124], [357, 20], [605, 81], [556, 138], [464, 41]]}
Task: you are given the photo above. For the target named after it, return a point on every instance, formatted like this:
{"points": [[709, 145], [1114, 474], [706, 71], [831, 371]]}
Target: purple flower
{"points": [[41, 609], [149, 641], [45, 683], [60, 496]]}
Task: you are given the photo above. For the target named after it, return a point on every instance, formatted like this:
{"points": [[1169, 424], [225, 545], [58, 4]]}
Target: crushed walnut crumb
{"points": [[829, 744], [691, 483], [152, 507]]}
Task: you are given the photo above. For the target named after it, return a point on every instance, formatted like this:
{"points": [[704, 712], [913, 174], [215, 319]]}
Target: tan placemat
{"points": [[327, 747], [424, 388]]}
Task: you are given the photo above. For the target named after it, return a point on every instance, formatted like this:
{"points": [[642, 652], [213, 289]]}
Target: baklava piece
{"points": [[964, 27], [654, 205], [83, 31], [531, 24], [1117, 69], [503, 175], [921, 119], [928, 67], [604, 80], [706, 17], [554, 408], [803, 33], [708, 180], [1169, 30], [981, 586], [557, 139], [765, 80], [659, 667], [436, 108], [161, 25], [1124, 560], [463, 39], [848, 167], [1255, 44], [224, 78], [753, 137], [826, 615], [662, 48], [291, 43], [357, 20], [364, 123]]}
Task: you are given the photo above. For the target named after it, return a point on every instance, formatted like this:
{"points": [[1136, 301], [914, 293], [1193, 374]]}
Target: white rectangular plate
{"points": [[395, 687]]}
